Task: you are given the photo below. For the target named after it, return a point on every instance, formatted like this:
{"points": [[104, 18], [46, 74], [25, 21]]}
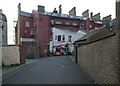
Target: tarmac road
{"points": [[48, 70]]}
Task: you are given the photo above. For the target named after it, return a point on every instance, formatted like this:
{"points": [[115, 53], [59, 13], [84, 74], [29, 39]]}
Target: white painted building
{"points": [[3, 29], [63, 36]]}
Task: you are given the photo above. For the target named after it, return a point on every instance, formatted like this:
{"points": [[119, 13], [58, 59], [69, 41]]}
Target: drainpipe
{"points": [[76, 58]]}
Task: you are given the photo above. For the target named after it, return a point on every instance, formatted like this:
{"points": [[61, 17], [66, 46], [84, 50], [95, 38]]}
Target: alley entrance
{"points": [[48, 70]]}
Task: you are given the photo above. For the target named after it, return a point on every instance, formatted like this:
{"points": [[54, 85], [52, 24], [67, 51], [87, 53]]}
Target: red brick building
{"points": [[35, 29]]}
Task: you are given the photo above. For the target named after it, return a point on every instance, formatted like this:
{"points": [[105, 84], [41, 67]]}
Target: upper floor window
{"points": [[90, 26], [58, 23], [63, 38], [25, 32], [59, 37], [67, 23], [1, 17], [55, 37], [70, 38], [74, 24], [52, 22], [2, 27], [27, 24], [34, 24]]}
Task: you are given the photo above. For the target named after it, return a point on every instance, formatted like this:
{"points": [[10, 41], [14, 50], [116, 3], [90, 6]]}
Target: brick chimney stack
{"points": [[72, 12], [41, 8], [86, 13], [88, 24]]}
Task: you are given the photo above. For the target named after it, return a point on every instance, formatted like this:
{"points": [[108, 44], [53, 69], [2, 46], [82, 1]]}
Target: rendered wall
{"points": [[10, 55]]}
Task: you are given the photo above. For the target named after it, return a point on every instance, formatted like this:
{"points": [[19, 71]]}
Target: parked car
{"points": [[60, 50]]}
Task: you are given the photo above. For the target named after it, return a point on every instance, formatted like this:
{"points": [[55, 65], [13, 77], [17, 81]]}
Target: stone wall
{"points": [[100, 60]]}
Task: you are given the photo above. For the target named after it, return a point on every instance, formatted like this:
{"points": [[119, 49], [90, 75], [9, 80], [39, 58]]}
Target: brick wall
{"points": [[100, 60], [25, 51]]}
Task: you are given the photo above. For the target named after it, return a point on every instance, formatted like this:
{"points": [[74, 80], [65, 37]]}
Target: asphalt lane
{"points": [[48, 70]]}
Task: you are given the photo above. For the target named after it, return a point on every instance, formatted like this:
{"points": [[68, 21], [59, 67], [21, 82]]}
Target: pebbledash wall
{"points": [[100, 60]]}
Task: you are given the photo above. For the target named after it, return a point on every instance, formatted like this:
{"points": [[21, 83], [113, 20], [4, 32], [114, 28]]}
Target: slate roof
{"points": [[26, 14], [77, 17], [89, 34]]}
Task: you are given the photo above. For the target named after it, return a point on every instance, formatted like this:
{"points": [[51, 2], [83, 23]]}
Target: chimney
{"points": [[41, 8], [0, 11], [60, 9], [88, 24], [55, 11], [118, 13], [72, 12], [85, 13], [108, 18], [91, 15], [96, 16], [19, 8]]}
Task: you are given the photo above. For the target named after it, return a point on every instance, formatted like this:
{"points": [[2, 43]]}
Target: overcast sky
{"points": [[9, 7]]}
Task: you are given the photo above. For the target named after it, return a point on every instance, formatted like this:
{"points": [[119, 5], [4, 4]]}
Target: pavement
{"points": [[48, 70], [6, 69]]}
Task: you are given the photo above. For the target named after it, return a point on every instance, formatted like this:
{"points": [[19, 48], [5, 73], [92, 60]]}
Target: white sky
{"points": [[9, 7]]}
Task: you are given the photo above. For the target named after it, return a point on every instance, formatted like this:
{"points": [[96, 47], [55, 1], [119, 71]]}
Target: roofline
{"points": [[27, 13], [85, 43]]}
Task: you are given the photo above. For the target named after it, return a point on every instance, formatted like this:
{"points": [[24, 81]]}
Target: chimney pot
{"points": [[60, 9], [91, 15]]}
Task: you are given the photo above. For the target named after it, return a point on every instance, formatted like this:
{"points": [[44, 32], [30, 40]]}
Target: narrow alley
{"points": [[50, 70]]}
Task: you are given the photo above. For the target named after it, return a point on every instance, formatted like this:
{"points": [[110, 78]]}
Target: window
{"points": [[96, 28], [59, 37], [2, 27], [33, 24], [90, 26], [1, 17], [63, 38], [67, 23], [55, 37], [27, 24], [52, 22], [69, 38], [74, 24], [58, 22], [25, 31]]}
